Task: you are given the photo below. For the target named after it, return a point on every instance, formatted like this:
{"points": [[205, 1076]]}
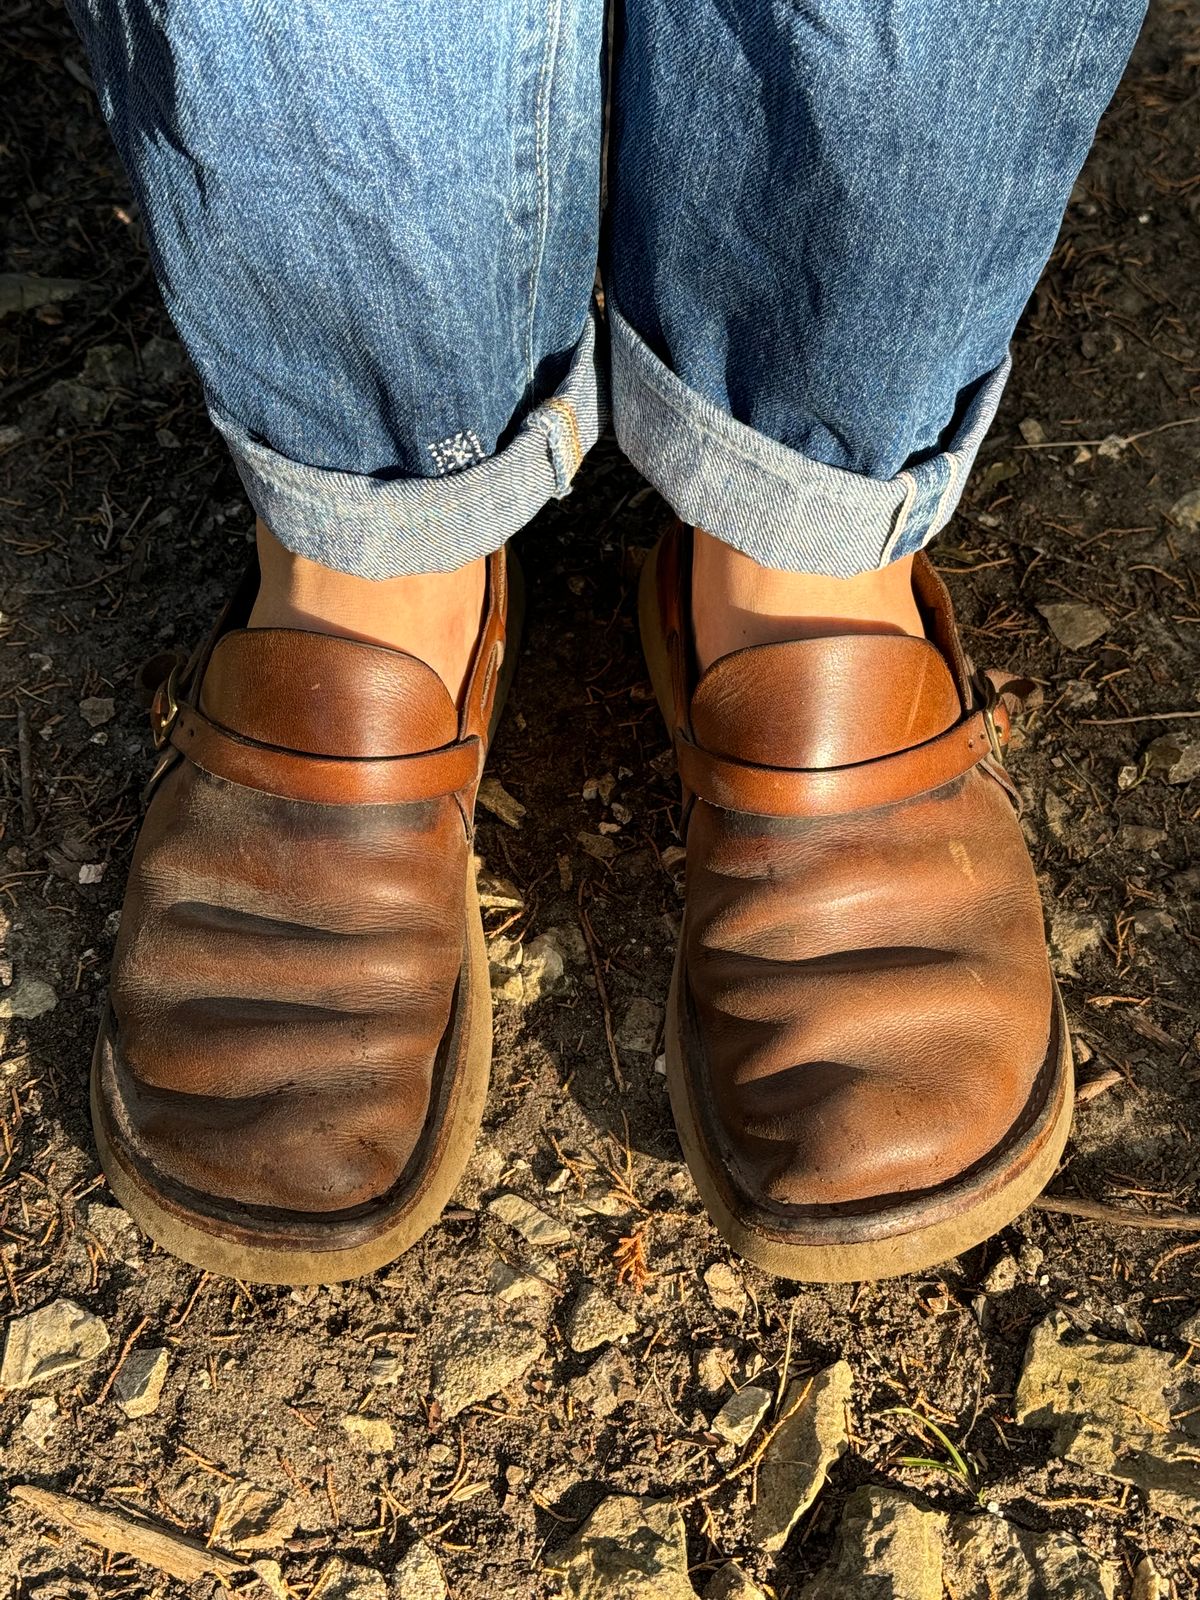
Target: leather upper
{"points": [[866, 996], [292, 939]]}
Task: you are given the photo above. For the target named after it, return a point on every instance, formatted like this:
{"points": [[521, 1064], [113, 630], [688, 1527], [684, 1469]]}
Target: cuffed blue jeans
{"points": [[376, 225]]}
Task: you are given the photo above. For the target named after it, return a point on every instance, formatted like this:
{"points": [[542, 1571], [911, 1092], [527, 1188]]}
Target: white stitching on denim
{"points": [[540, 148], [902, 516], [941, 516], [461, 449]]}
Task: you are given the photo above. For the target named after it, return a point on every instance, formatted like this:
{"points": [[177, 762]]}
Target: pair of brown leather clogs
{"points": [[866, 1052]]}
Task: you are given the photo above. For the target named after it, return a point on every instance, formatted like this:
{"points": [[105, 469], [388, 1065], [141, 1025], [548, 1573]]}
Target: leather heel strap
{"points": [[832, 791], [327, 780]]}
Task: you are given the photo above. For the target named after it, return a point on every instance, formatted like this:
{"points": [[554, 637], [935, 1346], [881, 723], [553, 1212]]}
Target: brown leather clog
{"points": [[290, 1075], [867, 1055]]}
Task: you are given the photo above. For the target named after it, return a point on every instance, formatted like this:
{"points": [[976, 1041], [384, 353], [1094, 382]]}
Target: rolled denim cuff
{"points": [[774, 504], [395, 527]]}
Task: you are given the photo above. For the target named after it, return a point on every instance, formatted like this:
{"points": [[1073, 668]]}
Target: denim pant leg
{"points": [[827, 217], [374, 224]]}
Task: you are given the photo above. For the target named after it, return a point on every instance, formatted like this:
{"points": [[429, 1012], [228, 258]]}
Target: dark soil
{"points": [[122, 526]]}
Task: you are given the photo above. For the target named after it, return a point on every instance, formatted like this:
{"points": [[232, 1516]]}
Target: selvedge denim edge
{"points": [[779, 507], [396, 527]]}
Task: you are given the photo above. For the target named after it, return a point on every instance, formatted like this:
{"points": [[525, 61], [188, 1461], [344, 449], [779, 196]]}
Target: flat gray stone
{"points": [[1068, 1379], [418, 1576], [596, 1319], [96, 710], [387, 1367], [110, 366], [1074, 935], [504, 969], [628, 1549], [1164, 1466], [796, 1462], [115, 1231], [375, 1433], [987, 1558], [48, 1343], [512, 1284], [340, 1579], [497, 893], [1172, 758], [544, 968], [536, 1226], [713, 1368], [526, 973], [731, 1582], [1147, 1583], [250, 1518], [1185, 513], [606, 1385], [741, 1414], [1137, 836], [638, 1029], [26, 999], [887, 1549], [725, 1289], [40, 1421], [1108, 1404], [1074, 624], [164, 361], [1001, 1275], [476, 1355], [140, 1381]]}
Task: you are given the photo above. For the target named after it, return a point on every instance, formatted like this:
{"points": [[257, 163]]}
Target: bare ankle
{"points": [[433, 616], [736, 602]]}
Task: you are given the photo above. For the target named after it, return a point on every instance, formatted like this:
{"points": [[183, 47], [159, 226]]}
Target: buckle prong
{"points": [[993, 733], [164, 719]]}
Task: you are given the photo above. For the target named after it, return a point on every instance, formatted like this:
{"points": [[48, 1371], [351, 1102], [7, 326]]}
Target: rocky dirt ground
{"points": [[569, 1386]]}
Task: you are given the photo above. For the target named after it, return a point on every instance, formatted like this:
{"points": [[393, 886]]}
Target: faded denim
{"points": [[376, 226]]}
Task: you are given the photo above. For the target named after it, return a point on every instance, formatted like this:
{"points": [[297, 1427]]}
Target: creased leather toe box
{"points": [[283, 985], [868, 997]]}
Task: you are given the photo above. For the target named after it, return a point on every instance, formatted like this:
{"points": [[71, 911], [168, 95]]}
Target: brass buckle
{"points": [[166, 709]]}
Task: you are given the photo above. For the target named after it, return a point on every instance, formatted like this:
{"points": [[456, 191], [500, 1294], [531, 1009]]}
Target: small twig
{"points": [[1122, 438], [601, 989], [121, 1360], [187, 1310], [25, 760], [749, 1462], [1146, 716], [1093, 1211], [1171, 1255], [787, 1358], [172, 1553]]}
